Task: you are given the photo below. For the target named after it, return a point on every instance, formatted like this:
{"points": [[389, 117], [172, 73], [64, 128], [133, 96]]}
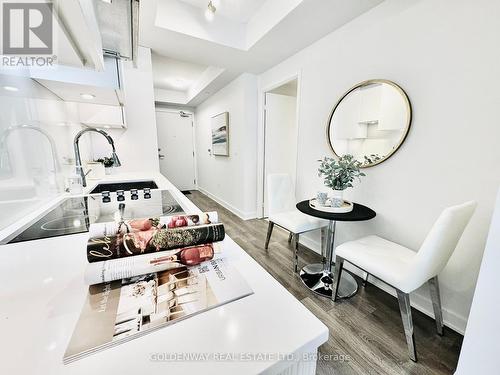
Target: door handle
{"points": [[161, 157]]}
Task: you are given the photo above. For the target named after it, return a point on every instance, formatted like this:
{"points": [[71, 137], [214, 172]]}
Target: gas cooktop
{"points": [[74, 215]]}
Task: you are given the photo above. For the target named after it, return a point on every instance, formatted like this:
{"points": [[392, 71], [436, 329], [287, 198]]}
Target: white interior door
{"points": [[175, 148], [280, 137]]}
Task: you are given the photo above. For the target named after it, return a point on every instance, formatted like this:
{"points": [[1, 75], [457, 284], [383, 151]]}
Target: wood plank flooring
{"points": [[366, 332]]}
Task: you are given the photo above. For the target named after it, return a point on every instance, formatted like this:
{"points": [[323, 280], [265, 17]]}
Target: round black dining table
{"points": [[318, 277]]}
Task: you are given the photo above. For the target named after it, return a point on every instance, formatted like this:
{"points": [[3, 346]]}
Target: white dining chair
{"points": [[406, 270], [283, 213]]}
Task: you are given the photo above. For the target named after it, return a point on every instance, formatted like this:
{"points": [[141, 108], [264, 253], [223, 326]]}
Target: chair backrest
{"points": [[442, 240], [280, 193]]}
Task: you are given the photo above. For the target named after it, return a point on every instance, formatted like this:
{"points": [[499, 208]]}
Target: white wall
{"points": [[443, 54], [479, 353], [230, 180], [136, 146]]}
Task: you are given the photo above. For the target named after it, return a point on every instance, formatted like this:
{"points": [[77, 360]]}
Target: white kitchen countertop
{"points": [[42, 294]]}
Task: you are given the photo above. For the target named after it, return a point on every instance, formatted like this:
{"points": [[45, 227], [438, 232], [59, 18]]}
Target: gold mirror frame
{"points": [[366, 83]]}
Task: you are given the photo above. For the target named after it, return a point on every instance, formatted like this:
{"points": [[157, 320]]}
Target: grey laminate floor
{"points": [[365, 330]]}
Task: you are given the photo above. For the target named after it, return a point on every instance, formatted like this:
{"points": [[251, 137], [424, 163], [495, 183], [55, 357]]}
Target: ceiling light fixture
{"points": [[179, 83], [87, 96], [210, 12], [10, 88]]}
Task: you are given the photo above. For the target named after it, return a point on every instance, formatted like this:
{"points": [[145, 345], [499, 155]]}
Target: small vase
{"points": [[337, 198]]}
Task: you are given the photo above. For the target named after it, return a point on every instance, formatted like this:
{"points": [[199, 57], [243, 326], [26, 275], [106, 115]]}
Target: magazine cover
{"points": [[118, 226], [151, 241], [120, 311]]}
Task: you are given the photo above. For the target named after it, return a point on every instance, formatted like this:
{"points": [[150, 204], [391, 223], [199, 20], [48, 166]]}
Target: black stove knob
{"points": [[120, 195], [133, 194], [147, 193], [106, 197]]}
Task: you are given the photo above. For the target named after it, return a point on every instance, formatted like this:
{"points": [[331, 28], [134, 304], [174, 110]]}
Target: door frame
{"points": [[189, 112], [261, 134]]}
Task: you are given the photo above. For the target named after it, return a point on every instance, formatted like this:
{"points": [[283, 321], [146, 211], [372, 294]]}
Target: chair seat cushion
{"points": [[384, 259], [297, 222]]}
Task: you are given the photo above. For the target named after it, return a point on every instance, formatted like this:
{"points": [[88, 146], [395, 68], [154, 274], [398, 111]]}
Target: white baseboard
{"points": [[419, 301], [241, 214]]}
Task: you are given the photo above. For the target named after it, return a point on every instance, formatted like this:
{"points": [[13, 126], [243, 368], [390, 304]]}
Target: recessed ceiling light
{"points": [[10, 88], [87, 96], [179, 83]]}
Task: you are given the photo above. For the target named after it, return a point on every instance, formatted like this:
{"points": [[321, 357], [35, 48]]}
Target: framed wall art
{"points": [[220, 134]]}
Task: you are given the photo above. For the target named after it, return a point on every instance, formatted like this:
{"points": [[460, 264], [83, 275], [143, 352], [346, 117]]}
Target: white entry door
{"points": [[175, 148]]}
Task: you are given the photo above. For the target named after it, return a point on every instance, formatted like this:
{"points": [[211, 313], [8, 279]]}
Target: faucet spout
{"points": [[3, 146], [78, 160]]}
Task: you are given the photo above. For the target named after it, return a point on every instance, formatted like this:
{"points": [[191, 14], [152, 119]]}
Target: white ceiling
{"points": [[172, 74], [238, 10], [276, 33]]}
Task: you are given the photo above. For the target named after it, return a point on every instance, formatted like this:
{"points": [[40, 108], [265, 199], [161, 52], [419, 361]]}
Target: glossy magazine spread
{"points": [[122, 310]]}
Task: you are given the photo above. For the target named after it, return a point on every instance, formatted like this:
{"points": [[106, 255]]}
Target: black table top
{"points": [[358, 213]]}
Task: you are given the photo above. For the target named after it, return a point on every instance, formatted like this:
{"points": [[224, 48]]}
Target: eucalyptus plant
{"points": [[108, 162], [371, 159], [339, 174]]}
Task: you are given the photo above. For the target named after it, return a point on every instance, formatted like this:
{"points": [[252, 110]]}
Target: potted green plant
{"points": [[108, 164], [339, 174]]}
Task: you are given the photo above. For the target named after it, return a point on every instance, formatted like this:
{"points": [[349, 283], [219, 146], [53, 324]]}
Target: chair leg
{"points": [[405, 308], [269, 232], [365, 279], [296, 255], [436, 304], [339, 267]]}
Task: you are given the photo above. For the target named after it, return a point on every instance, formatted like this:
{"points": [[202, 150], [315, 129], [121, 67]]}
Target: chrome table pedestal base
{"points": [[319, 277], [320, 281]]}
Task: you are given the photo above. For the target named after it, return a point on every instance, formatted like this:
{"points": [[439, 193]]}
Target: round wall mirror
{"points": [[370, 121]]}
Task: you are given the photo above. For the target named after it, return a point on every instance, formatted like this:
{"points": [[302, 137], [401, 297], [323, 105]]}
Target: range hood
{"points": [[73, 84], [118, 22]]}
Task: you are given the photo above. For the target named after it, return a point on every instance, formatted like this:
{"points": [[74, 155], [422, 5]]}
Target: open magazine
{"points": [[122, 310]]}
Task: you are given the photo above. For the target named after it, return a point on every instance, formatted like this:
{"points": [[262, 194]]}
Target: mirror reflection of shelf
{"points": [[368, 122]]}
